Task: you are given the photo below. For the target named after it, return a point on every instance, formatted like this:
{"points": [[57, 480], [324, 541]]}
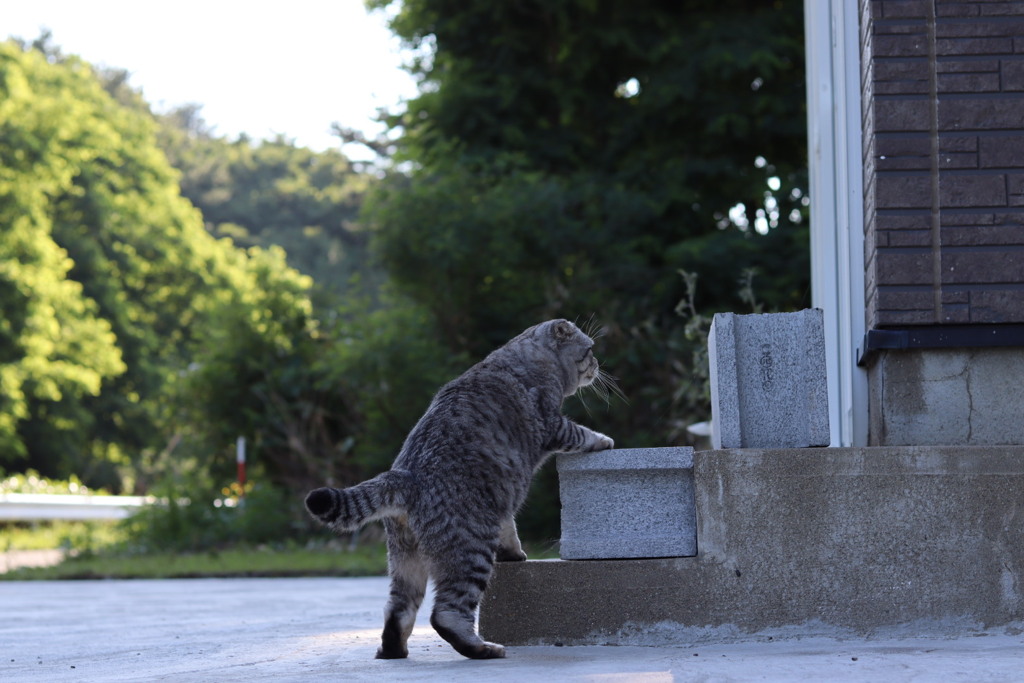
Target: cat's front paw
{"points": [[602, 442]]}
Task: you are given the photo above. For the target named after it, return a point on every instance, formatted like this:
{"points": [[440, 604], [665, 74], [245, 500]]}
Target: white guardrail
{"points": [[39, 506]]}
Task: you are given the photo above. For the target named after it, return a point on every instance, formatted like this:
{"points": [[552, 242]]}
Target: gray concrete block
{"points": [[768, 385], [829, 541], [627, 503]]}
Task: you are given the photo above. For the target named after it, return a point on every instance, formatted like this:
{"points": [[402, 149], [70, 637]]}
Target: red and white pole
{"points": [[240, 459]]}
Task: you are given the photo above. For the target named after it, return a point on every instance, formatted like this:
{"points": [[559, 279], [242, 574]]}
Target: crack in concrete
{"points": [[970, 397]]}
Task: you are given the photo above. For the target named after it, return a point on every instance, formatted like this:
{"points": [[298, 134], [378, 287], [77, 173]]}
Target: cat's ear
{"points": [[563, 330]]}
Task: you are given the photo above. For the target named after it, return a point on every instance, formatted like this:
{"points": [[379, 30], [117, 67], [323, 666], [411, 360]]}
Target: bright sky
{"points": [[260, 68]]}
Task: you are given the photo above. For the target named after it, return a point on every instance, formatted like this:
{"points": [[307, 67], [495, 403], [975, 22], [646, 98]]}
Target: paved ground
{"points": [[327, 629]]}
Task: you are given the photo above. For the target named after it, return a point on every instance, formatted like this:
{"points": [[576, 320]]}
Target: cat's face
{"points": [[576, 353]]}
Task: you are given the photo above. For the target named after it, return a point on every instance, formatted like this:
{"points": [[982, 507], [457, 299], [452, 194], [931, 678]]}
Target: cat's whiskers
{"points": [[581, 395], [605, 386]]}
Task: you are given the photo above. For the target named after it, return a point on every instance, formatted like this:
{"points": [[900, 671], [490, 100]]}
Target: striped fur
{"points": [[449, 501], [348, 509]]}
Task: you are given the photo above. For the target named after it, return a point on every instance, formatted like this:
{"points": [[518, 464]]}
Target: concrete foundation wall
{"points": [[800, 542], [947, 396]]}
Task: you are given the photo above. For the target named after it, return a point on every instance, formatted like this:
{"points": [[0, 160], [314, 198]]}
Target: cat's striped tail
{"points": [[347, 509]]}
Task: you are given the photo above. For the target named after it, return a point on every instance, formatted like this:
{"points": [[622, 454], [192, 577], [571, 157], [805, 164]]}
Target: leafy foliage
{"points": [[273, 193], [112, 289], [56, 350], [31, 482], [256, 374], [210, 520], [570, 157]]}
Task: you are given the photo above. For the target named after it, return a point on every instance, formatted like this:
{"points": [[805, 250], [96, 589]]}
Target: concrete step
{"points": [[818, 541]]}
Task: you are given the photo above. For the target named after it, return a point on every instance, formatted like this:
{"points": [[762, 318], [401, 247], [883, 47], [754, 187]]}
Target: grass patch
{"points": [[84, 536], [369, 560], [333, 559]]}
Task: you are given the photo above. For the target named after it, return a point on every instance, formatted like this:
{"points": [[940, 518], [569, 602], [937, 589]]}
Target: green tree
{"points": [[256, 373], [55, 349], [569, 157], [275, 193], [112, 288]]}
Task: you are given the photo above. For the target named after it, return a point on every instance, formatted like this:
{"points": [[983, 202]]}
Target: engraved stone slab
{"points": [[627, 503], [768, 385]]}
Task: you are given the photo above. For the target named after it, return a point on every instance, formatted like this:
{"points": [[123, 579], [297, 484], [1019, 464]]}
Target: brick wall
{"points": [[943, 86]]}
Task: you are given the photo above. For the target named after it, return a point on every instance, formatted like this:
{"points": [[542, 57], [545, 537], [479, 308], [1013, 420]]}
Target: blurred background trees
{"points": [[273, 193], [164, 290], [118, 304], [570, 158]]}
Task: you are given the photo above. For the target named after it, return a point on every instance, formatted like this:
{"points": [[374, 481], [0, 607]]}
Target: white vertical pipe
{"points": [[836, 189]]}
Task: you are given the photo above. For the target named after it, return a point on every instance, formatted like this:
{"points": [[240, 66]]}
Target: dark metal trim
{"points": [[939, 337]]}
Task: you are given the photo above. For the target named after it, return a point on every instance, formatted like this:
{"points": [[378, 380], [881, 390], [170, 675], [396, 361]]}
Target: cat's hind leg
{"points": [[460, 581], [408, 570]]}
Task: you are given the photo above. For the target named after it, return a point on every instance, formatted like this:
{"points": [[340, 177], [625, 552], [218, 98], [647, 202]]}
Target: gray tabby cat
{"points": [[449, 500]]}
